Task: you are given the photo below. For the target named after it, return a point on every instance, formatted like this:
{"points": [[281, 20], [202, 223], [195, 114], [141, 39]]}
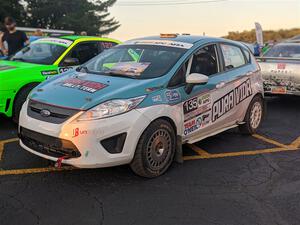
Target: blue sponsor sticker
{"points": [[157, 98], [173, 95]]}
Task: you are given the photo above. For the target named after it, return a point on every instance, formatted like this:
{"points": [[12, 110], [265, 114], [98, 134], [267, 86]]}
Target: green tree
{"points": [[249, 36], [77, 15]]}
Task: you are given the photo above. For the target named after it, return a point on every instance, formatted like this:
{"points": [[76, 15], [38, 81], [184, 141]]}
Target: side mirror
{"points": [[70, 62], [194, 79]]}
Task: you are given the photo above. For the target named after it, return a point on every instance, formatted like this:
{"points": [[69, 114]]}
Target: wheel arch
{"points": [[261, 95], [33, 84]]}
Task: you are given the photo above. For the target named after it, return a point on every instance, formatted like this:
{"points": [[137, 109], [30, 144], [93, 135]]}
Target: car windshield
{"points": [[284, 50], [39, 53], [135, 61]]}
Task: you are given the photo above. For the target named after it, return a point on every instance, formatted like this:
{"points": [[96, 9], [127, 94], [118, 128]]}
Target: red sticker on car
{"points": [[83, 85], [281, 66]]}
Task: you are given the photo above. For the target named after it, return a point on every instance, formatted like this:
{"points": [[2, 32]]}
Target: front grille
{"points": [[57, 115], [48, 145]]}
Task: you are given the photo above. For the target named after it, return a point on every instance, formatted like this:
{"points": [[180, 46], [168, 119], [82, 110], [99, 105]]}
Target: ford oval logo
{"points": [[45, 113]]}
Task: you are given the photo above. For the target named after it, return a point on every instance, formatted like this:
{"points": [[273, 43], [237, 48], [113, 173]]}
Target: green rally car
{"points": [[39, 60]]}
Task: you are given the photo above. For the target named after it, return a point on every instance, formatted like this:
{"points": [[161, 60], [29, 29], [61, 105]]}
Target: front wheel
{"points": [[253, 116], [155, 150]]}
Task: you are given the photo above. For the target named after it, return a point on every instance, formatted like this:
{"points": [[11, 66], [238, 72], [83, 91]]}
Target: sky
{"points": [[215, 18]]}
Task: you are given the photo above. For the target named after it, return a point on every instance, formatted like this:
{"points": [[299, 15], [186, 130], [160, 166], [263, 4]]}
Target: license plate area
{"points": [[279, 90]]}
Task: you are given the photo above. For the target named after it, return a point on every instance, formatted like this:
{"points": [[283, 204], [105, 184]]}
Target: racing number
{"points": [[190, 105]]}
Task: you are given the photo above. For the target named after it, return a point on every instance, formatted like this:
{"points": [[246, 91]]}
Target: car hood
{"points": [[84, 90]]}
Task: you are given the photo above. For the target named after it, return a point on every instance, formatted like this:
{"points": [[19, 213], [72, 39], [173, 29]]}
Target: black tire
{"points": [[251, 127], [155, 150], [19, 101]]}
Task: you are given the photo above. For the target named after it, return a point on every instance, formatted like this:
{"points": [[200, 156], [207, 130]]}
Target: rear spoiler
{"points": [[265, 59]]}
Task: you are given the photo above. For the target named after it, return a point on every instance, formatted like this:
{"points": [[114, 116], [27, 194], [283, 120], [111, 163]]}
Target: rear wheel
{"points": [[19, 101], [253, 116], [155, 150]]}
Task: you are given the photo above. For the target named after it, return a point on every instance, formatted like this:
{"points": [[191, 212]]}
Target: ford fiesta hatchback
{"points": [[138, 102]]}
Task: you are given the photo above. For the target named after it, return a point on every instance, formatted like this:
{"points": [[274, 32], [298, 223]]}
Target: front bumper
{"points": [[86, 137]]}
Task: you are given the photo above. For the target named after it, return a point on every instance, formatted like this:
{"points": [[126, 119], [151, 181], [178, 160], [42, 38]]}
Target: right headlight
{"points": [[111, 108]]}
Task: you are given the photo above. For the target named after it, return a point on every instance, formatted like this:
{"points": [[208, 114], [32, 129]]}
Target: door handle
{"points": [[220, 85]]}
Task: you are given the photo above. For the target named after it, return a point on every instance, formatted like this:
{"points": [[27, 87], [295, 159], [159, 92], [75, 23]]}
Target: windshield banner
{"points": [[166, 43], [130, 68], [58, 41]]}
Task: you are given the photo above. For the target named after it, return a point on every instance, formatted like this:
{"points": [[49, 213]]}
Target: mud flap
{"points": [[179, 153]]}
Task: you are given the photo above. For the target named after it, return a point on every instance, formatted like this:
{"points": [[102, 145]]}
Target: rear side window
{"points": [[233, 56]]}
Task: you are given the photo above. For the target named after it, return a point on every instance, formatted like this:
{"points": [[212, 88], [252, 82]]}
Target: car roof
{"points": [[288, 44], [191, 39], [78, 37]]}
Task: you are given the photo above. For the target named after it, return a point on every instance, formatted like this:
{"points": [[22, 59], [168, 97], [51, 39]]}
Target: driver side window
{"points": [[83, 52], [205, 61]]}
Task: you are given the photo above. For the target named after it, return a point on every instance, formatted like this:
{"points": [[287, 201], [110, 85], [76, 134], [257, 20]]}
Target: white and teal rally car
{"points": [[138, 102]]}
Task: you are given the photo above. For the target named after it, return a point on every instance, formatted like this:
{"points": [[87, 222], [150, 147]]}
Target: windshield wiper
{"points": [[115, 74]]}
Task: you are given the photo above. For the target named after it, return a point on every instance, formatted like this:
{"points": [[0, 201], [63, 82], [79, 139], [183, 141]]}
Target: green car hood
{"points": [[14, 73]]}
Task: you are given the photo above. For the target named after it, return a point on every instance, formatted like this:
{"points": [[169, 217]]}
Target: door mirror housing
{"points": [[68, 61], [197, 78]]}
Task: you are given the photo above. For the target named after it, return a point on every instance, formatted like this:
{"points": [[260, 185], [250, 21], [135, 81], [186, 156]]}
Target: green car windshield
{"points": [[39, 53], [135, 61]]}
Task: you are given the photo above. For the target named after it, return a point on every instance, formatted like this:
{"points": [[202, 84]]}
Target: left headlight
{"points": [[111, 108]]}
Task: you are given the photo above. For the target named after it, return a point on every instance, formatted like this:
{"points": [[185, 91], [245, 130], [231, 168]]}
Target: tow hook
{"points": [[59, 161]]}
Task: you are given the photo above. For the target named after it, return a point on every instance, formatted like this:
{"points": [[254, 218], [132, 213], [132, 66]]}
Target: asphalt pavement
{"points": [[228, 179]]}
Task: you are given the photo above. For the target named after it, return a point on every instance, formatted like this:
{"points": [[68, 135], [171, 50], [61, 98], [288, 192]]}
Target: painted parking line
{"points": [[35, 170], [270, 141], [202, 154], [28, 170], [4, 142]]}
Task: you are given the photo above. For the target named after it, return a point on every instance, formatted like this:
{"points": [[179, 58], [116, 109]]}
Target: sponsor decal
{"points": [[58, 41], [281, 66], [107, 45], [172, 95], [206, 119], [157, 98], [196, 106], [64, 69], [83, 85], [77, 132], [3, 67], [192, 125], [49, 72], [197, 123], [231, 99], [152, 89], [166, 43]]}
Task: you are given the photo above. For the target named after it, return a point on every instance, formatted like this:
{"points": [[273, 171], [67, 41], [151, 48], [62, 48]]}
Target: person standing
{"points": [[15, 39]]}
